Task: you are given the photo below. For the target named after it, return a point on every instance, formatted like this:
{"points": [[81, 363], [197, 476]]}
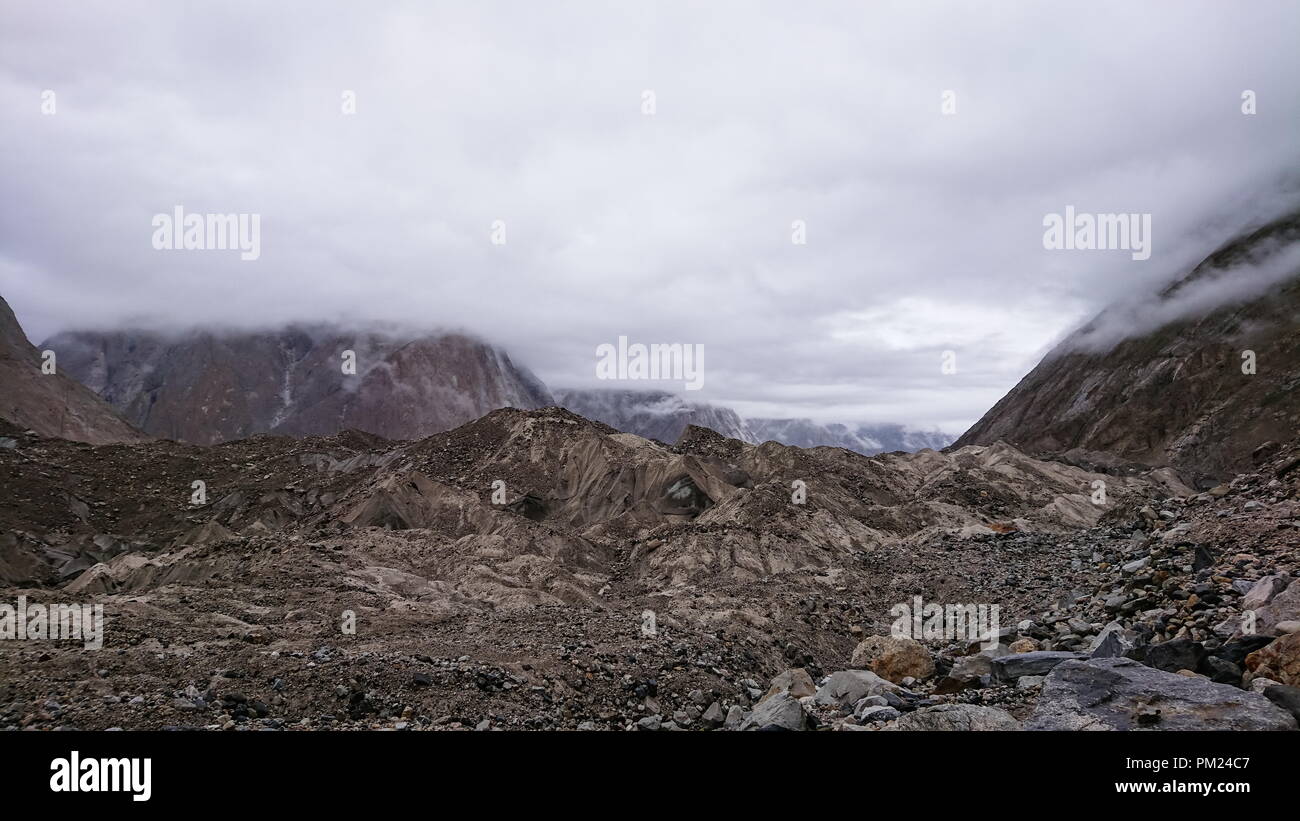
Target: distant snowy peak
{"points": [[868, 439], [653, 414], [662, 415]]}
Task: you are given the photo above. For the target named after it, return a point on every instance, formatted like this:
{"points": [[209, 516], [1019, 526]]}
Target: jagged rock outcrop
{"points": [[50, 403], [207, 386], [1161, 381]]}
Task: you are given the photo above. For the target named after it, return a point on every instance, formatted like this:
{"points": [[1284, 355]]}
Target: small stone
{"points": [[735, 717], [650, 723]]}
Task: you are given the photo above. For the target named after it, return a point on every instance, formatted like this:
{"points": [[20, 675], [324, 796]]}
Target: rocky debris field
{"points": [[534, 570]]}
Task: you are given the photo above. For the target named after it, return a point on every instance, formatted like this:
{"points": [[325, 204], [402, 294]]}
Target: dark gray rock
{"points": [[780, 712], [1175, 655], [1109, 647], [1288, 698], [1236, 650], [1036, 663], [1121, 694], [1221, 670], [735, 717], [876, 715]]}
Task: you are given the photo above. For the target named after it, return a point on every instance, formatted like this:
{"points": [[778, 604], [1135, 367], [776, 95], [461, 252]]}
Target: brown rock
{"points": [[1279, 661], [795, 681], [893, 658]]}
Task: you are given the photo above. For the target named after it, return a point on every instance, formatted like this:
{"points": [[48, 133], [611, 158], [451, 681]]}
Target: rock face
{"points": [[1121, 694], [893, 658], [208, 387], [50, 403], [1175, 394]]}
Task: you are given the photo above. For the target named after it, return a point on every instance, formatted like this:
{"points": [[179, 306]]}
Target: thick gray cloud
{"points": [[924, 230]]}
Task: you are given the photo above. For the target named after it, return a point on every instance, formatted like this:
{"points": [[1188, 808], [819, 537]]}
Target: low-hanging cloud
{"points": [[923, 228], [1212, 289]]}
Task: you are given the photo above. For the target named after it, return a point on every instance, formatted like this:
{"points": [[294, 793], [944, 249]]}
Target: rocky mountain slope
{"points": [[1175, 394], [50, 403], [207, 387]]}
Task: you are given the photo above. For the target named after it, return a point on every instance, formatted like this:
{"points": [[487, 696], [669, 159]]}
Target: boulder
{"points": [[736, 716], [1236, 650], [1174, 655], [1288, 698], [1036, 663], [970, 668], [1284, 607], [795, 681], [893, 658], [847, 687], [1111, 642], [1121, 694], [1263, 591], [876, 715], [1279, 660], [1221, 670], [780, 712], [958, 717], [1023, 645]]}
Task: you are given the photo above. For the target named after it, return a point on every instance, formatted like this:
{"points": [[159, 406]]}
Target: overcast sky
{"points": [[924, 229]]}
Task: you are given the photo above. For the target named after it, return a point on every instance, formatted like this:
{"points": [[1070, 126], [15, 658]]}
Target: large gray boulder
{"points": [[958, 717], [1121, 694], [780, 712], [1283, 607], [847, 687]]}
